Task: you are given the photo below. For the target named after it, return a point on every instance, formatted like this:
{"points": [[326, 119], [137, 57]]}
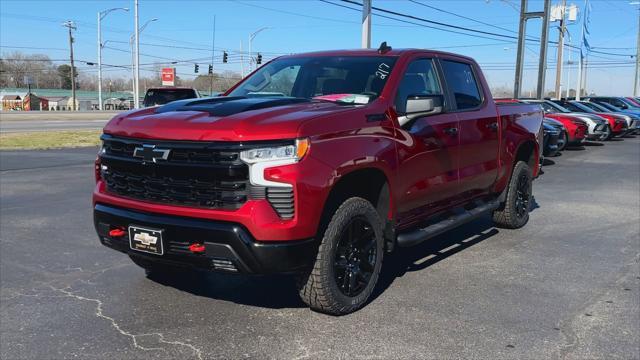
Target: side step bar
{"points": [[417, 236]]}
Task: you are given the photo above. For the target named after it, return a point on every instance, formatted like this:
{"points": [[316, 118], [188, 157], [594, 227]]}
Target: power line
{"points": [[462, 28], [463, 17], [473, 32]]}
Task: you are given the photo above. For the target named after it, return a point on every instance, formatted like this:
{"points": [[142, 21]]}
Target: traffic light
{"points": [[259, 59], [225, 57], [196, 68], [210, 69]]}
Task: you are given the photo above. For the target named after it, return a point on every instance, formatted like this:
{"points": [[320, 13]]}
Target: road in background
{"points": [[565, 286], [7, 127]]}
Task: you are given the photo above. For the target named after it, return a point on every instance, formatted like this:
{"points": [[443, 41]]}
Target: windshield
{"points": [[162, 96], [577, 107], [349, 79], [610, 107], [550, 106], [596, 107], [629, 103]]}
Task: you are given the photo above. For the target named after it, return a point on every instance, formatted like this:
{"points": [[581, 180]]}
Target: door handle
{"points": [[451, 131], [493, 126]]}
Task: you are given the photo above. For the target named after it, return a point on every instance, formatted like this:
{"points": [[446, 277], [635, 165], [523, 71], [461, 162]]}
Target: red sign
{"points": [[168, 76]]}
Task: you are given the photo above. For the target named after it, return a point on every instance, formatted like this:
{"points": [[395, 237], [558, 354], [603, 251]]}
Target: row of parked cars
{"points": [[571, 122]]}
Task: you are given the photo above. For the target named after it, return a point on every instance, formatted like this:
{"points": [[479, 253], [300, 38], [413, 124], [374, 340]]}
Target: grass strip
{"points": [[49, 139]]}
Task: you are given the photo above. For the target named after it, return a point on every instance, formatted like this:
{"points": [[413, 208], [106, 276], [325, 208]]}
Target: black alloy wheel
{"points": [[355, 257]]}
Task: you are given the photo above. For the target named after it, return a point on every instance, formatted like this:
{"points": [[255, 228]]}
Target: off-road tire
{"points": [[508, 216], [318, 287]]}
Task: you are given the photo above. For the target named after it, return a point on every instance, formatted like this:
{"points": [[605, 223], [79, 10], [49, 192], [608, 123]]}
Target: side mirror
{"points": [[421, 105]]}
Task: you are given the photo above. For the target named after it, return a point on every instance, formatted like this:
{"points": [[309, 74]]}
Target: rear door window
{"points": [[463, 84]]}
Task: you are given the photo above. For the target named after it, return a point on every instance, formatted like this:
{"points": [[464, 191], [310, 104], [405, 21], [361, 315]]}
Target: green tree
{"points": [[64, 72]]}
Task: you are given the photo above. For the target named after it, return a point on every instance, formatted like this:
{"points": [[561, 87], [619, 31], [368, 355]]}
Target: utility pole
{"points": [[71, 26], [241, 61], [542, 64], [522, 29], [101, 15], [366, 24], [558, 91], [636, 79], [137, 56], [213, 49]]}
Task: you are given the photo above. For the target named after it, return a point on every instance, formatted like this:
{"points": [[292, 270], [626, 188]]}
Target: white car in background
{"points": [[597, 126]]}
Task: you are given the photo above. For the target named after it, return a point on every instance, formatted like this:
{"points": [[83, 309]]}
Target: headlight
{"points": [[293, 152]]}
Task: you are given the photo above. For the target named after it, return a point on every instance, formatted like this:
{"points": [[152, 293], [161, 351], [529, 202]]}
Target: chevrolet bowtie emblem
{"points": [[145, 238], [150, 153]]}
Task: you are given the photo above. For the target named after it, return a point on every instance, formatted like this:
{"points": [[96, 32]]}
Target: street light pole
{"points": [[101, 15], [635, 82], [136, 57], [251, 37], [636, 79], [134, 64], [580, 58]]}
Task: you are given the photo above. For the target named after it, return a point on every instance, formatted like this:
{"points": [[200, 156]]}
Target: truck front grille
{"points": [[196, 174]]}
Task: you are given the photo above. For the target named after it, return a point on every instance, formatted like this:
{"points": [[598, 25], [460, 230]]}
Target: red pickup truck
{"points": [[316, 164]]}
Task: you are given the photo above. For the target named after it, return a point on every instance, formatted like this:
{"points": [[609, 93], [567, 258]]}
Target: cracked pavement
{"points": [[567, 286]]}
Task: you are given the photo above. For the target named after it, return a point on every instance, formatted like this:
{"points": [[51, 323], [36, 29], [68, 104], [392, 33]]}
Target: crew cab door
{"points": [[479, 128], [427, 146]]}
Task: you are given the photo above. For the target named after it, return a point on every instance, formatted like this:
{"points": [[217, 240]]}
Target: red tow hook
{"points": [[197, 248], [117, 233]]}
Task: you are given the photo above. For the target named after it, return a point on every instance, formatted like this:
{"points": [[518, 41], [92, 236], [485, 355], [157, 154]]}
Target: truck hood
{"points": [[223, 119]]}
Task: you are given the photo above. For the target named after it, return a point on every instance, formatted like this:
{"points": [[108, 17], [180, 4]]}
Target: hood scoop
{"points": [[228, 105]]}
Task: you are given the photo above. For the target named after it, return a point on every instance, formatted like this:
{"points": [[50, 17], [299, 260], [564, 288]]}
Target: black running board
{"points": [[459, 217]]}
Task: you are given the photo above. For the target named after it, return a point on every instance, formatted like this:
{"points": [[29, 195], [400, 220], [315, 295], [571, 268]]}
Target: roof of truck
{"points": [[375, 52]]}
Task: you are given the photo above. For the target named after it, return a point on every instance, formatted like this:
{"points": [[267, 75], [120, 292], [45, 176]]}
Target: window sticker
{"points": [[383, 71]]}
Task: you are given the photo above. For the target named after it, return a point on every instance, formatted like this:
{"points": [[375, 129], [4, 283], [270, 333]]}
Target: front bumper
{"points": [[596, 131], [229, 246]]}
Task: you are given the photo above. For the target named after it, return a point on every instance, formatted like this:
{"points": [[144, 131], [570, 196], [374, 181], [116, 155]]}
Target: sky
{"points": [[183, 33]]}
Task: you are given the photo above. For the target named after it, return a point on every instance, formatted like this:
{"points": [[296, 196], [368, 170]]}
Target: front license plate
{"points": [[145, 240]]}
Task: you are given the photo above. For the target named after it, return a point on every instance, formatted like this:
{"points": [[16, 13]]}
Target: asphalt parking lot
{"points": [[565, 286]]}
